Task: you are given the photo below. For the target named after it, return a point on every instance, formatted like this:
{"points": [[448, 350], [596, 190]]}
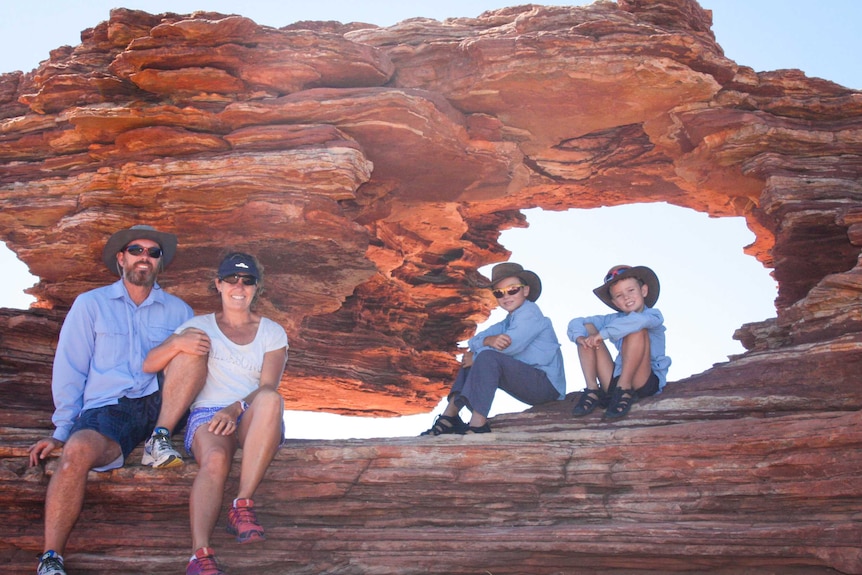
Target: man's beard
{"points": [[144, 277]]}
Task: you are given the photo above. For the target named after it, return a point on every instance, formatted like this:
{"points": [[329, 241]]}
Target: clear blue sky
{"points": [[709, 287]]}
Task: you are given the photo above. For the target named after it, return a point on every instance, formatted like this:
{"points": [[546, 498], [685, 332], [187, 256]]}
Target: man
{"points": [[105, 404]]}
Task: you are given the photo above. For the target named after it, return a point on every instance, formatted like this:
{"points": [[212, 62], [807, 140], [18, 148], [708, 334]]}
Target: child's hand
{"points": [[590, 342], [498, 342]]}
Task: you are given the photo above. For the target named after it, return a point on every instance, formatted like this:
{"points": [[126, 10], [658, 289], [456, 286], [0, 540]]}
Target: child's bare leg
{"points": [[597, 364], [635, 352]]}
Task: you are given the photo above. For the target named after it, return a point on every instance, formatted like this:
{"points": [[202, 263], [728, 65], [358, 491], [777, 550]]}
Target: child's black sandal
{"points": [[589, 400], [620, 404], [440, 427]]}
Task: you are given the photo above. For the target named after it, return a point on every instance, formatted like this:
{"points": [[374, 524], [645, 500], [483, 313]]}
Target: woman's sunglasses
{"points": [[234, 278], [511, 290], [137, 250]]}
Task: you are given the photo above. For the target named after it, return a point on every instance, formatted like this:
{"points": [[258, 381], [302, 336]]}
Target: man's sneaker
{"points": [[203, 562], [242, 522], [50, 564], [159, 452]]}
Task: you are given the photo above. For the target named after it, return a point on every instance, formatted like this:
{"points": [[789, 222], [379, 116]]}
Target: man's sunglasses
{"points": [[511, 290], [137, 250], [234, 278]]}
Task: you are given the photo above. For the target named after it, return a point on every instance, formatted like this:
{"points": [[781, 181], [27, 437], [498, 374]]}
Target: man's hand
{"points": [[40, 450], [193, 341]]}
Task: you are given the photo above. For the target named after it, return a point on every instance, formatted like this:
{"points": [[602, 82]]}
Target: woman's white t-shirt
{"points": [[233, 370]]}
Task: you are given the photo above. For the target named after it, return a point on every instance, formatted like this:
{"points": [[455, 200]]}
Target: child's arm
{"points": [[624, 324], [578, 326], [525, 326], [477, 342]]}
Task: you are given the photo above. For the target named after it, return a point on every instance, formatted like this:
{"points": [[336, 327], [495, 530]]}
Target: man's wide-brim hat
{"points": [[166, 241], [509, 269], [617, 273]]}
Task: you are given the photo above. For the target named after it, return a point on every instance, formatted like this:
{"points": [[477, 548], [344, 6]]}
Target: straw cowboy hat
{"points": [[506, 270], [617, 273], [166, 241]]}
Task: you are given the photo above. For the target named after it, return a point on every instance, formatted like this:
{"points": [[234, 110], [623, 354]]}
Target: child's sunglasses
{"points": [[511, 290]]}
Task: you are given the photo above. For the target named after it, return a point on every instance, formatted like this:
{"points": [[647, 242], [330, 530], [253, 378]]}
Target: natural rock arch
{"points": [[372, 169], [379, 167]]}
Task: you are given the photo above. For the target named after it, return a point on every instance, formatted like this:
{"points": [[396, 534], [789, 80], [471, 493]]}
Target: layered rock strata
{"points": [[373, 169]]}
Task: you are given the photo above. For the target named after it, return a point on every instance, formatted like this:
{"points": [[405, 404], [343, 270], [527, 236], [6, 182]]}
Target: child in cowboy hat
{"points": [[520, 355], [636, 330]]}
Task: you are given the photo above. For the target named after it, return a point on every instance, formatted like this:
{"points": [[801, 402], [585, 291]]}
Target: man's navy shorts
{"points": [[128, 422]]}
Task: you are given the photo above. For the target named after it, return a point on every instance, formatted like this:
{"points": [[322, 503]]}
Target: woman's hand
{"points": [[224, 422]]}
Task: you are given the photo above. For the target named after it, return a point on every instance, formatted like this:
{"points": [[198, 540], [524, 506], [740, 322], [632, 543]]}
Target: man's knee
{"points": [[86, 449], [185, 366]]}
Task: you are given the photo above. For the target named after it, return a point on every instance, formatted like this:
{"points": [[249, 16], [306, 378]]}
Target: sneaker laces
{"points": [[246, 517], [51, 564], [161, 442]]}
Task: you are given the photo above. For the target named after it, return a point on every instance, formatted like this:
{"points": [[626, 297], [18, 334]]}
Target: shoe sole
{"points": [[172, 461], [250, 538]]}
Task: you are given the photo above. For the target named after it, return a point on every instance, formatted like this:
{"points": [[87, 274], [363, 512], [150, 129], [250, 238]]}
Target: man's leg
{"points": [[64, 500], [185, 376]]}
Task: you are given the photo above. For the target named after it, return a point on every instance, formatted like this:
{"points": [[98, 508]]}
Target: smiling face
{"points": [[628, 295], [511, 302], [237, 295], [140, 270]]}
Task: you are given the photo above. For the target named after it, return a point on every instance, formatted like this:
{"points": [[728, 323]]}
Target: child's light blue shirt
{"points": [[616, 326]]}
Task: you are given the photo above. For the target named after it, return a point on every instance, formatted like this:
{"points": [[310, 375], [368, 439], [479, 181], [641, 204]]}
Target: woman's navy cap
{"points": [[238, 264]]}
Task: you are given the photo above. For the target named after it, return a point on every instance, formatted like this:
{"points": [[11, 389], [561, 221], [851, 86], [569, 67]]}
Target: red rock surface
{"points": [[373, 169]]}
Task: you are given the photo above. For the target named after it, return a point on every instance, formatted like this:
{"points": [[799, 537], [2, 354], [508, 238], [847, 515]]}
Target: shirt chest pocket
{"points": [[112, 346], [156, 334]]}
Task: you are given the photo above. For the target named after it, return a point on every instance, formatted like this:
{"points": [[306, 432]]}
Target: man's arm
{"points": [[190, 340], [75, 349]]}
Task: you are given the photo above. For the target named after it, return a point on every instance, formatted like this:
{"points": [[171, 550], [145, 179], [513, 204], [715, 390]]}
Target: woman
{"points": [[520, 355], [238, 406]]}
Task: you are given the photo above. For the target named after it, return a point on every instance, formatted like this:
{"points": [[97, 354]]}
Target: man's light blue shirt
{"points": [[534, 342], [102, 346]]}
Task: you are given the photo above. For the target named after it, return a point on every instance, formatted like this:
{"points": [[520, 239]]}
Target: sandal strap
{"points": [[621, 403], [456, 425], [590, 398]]}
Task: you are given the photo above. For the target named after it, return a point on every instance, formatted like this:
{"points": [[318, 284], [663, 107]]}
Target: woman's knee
{"points": [[269, 400], [215, 461]]}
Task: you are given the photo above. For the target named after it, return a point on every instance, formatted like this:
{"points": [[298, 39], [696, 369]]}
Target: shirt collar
{"points": [[117, 290]]}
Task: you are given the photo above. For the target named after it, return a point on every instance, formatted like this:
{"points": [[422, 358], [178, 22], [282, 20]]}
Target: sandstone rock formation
{"points": [[373, 170]]}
